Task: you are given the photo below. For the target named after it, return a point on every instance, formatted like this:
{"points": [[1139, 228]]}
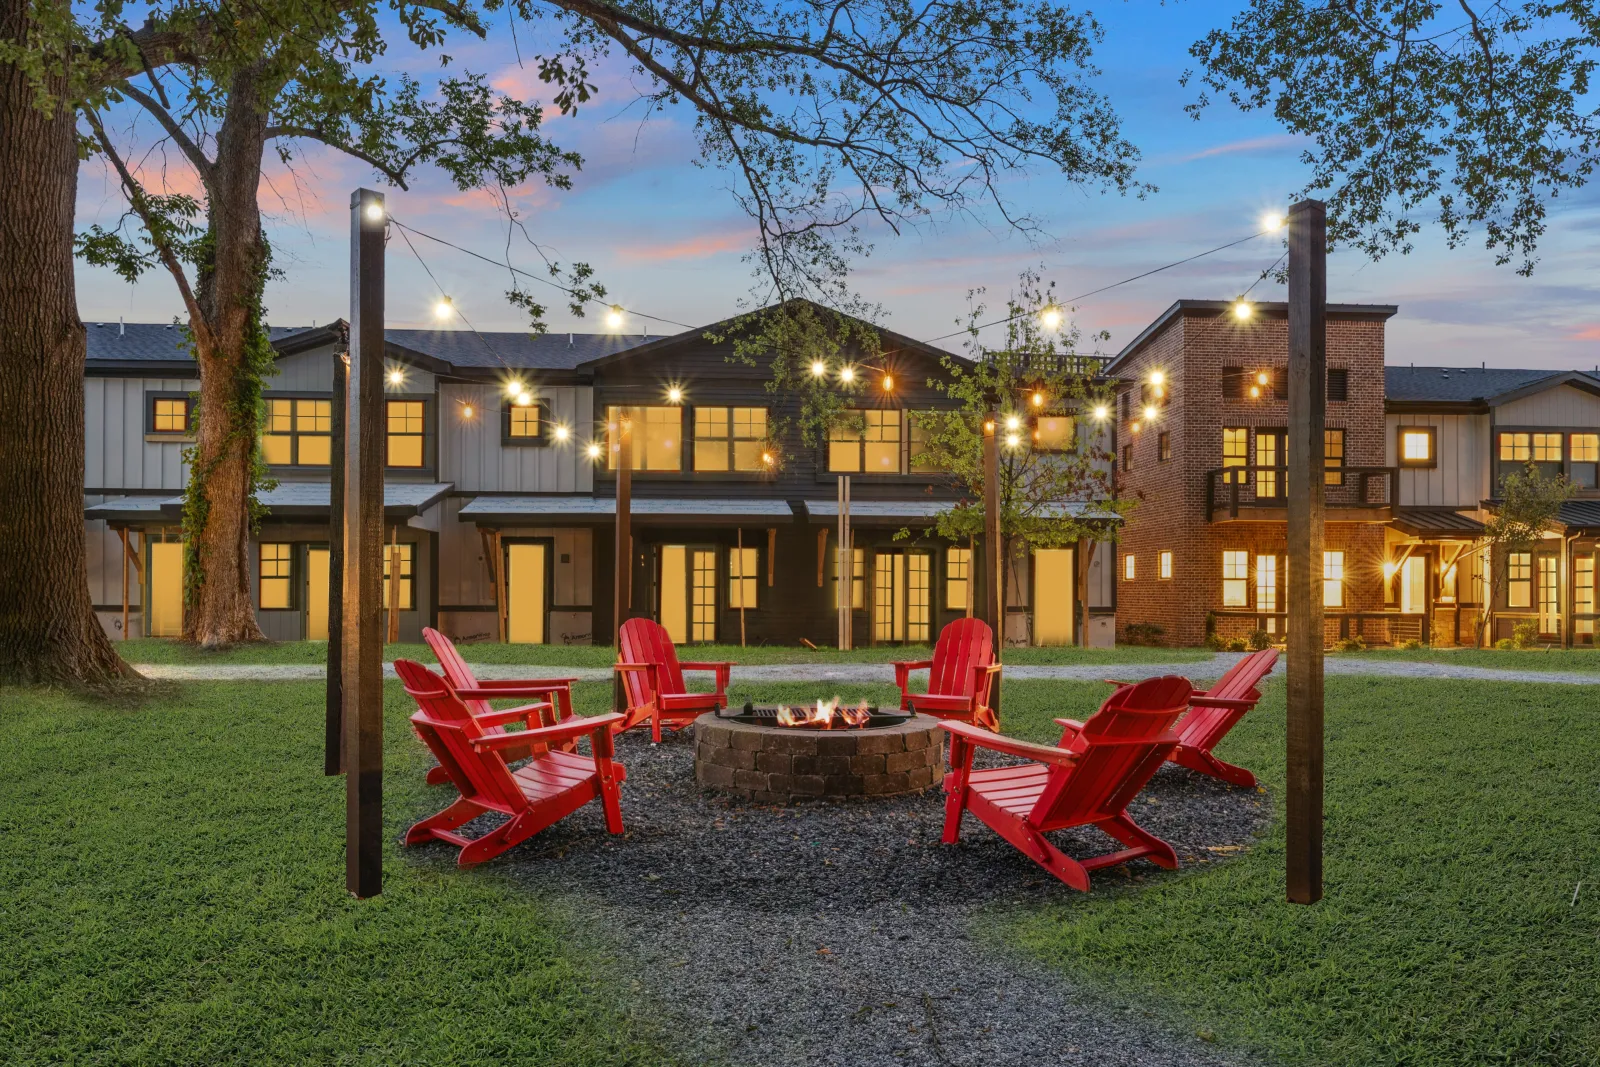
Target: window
{"points": [[873, 448], [1547, 452], [1586, 460], [729, 439], [1235, 449], [169, 415], [524, 424], [297, 433], [1448, 583], [1583, 595], [1235, 579], [1416, 447], [923, 426], [1127, 457], [1163, 446], [1338, 384], [1266, 583], [858, 577], [957, 578], [1269, 456], [1333, 579], [657, 437], [1516, 447], [275, 574], [703, 597], [1333, 456], [1233, 383], [397, 561], [404, 438], [1519, 579], [1549, 608], [742, 567], [1128, 567], [1165, 564], [1252, 383], [1053, 433]]}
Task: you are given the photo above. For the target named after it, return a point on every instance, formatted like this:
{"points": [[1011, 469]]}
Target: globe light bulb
{"points": [[1272, 222], [675, 395], [848, 374], [397, 376], [1050, 318], [1012, 422], [888, 383], [375, 211], [766, 457], [1241, 310], [561, 433], [1100, 411], [1255, 392], [1012, 440], [1038, 399], [466, 411], [1157, 377], [443, 309], [818, 368], [1261, 378], [614, 318], [524, 398], [1149, 414], [513, 388], [593, 450]]}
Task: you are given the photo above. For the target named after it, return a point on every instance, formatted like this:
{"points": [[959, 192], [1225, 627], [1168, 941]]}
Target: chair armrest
{"points": [[634, 666], [1115, 681], [1070, 724], [521, 689], [976, 735], [718, 667], [1220, 702], [521, 714], [523, 683], [546, 734], [911, 664]]}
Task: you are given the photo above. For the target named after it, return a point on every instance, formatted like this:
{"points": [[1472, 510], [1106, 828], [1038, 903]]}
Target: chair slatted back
{"points": [[646, 641], [1203, 727], [1119, 748], [448, 729], [454, 668], [963, 645]]}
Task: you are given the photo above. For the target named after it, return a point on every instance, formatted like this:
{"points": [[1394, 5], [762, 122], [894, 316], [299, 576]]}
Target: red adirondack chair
{"points": [[548, 788], [960, 676], [555, 705], [652, 678], [1212, 714], [1087, 780]]}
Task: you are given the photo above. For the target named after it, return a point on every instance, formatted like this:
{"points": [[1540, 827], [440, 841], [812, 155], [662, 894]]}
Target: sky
{"points": [[668, 240]]}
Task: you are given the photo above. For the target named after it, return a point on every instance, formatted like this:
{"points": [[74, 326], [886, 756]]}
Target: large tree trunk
{"points": [[230, 346], [48, 630]]}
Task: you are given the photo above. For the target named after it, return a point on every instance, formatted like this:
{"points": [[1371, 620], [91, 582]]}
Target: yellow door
{"points": [[526, 604], [674, 585], [1053, 574], [165, 614], [1413, 585], [901, 605], [316, 594]]}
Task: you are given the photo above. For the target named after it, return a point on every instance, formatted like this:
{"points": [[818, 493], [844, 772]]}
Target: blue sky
{"points": [[667, 239]]}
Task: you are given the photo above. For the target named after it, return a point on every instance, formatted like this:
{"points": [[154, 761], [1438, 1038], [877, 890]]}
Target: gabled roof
{"points": [[155, 343], [1580, 515], [465, 349], [1269, 309], [1476, 387]]}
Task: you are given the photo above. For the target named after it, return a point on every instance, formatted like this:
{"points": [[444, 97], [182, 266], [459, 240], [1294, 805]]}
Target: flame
{"points": [[824, 714]]}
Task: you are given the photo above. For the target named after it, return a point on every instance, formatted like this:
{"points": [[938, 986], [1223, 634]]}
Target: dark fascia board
{"points": [[893, 343], [1576, 379], [1436, 407], [333, 333], [1272, 309]]}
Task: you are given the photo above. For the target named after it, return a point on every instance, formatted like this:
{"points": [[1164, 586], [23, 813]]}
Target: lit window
{"points": [[1447, 582], [277, 444], [858, 577], [169, 415], [703, 597], [1235, 579], [297, 433], [1128, 567], [729, 439], [1547, 448], [1583, 594], [741, 578], [1269, 454], [1235, 448], [1333, 456], [1163, 446], [957, 578], [1416, 447], [923, 426], [397, 561], [275, 574], [1585, 469], [657, 437], [404, 435], [1266, 583], [1516, 447], [1053, 433], [1519, 579], [1166, 564], [1333, 579], [523, 422], [865, 441]]}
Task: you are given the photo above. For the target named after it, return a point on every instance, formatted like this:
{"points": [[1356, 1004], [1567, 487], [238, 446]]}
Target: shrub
{"points": [[1412, 645], [1259, 639], [1525, 634], [1352, 644], [1238, 644], [1504, 644], [1141, 633], [1216, 643]]}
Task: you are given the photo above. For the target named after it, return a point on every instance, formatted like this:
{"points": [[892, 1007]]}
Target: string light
{"points": [[524, 398], [513, 388], [1134, 427], [444, 308], [614, 318], [593, 450], [847, 374], [1255, 392], [766, 457], [1241, 310], [561, 433], [1272, 222], [1013, 423], [1012, 440], [818, 368], [1389, 568], [1157, 377], [988, 427], [1261, 378], [466, 411], [888, 383], [1100, 411], [397, 376], [675, 395], [1149, 414], [1050, 317], [1038, 399], [375, 211]]}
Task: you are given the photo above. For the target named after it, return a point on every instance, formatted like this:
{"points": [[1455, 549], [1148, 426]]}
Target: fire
{"points": [[825, 715]]}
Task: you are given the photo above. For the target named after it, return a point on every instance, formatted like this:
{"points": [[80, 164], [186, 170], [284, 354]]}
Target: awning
{"points": [[1436, 524], [540, 509], [872, 512], [290, 500], [1580, 516]]}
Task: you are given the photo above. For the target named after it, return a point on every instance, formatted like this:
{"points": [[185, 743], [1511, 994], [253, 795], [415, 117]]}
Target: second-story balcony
{"points": [[1260, 494]]}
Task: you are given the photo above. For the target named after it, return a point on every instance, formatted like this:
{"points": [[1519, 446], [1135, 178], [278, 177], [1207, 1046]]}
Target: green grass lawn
{"points": [[172, 892], [1460, 819], [1511, 659], [158, 650]]}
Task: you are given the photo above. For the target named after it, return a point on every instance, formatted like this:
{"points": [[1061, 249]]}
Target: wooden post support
{"points": [[622, 594], [772, 552], [994, 588], [363, 577], [391, 571], [123, 532], [1308, 302], [333, 724]]}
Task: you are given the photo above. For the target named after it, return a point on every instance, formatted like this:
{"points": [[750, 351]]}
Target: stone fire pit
{"points": [[773, 764]]}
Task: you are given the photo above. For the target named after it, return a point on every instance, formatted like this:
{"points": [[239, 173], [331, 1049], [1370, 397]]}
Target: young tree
{"points": [[1530, 500], [1056, 485]]}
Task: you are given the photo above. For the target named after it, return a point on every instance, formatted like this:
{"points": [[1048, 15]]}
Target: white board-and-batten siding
{"points": [[116, 454], [1564, 406], [1460, 478], [472, 455]]}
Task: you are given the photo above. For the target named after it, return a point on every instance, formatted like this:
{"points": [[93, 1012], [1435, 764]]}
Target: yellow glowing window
{"points": [[1266, 583], [170, 416], [275, 573], [1416, 446], [729, 439], [741, 578], [277, 444], [1586, 448], [1166, 564], [865, 441], [313, 422], [1547, 448], [957, 578], [1519, 579], [1333, 456], [858, 577], [1129, 567], [1516, 447], [404, 433], [1235, 579], [523, 422], [1333, 579], [1583, 593], [657, 436], [397, 563], [923, 426], [1053, 433], [1235, 448]]}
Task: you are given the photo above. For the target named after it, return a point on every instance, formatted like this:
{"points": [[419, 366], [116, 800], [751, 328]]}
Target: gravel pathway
{"points": [[845, 933], [878, 672]]}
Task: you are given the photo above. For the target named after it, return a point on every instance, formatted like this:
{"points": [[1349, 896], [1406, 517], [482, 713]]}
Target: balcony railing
{"points": [[1230, 488]]}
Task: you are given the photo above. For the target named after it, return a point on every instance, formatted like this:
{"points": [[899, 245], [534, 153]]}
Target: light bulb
{"points": [[1389, 569], [466, 411], [614, 318], [888, 383], [443, 308], [1160, 392], [1149, 414], [1012, 440], [1156, 377], [988, 427], [1038, 400], [1012, 422], [1050, 317], [675, 395], [1134, 427], [1272, 222], [513, 388], [593, 450], [1255, 392], [561, 433], [848, 374], [397, 376], [1261, 378], [818, 368], [766, 457], [1241, 310], [524, 398], [1100, 411], [375, 211]]}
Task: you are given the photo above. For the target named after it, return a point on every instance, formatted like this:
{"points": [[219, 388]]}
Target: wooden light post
{"points": [[622, 598], [994, 589], [361, 633], [333, 727], [845, 587], [1308, 305]]}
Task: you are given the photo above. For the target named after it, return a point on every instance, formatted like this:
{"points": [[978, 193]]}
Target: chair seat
{"points": [[552, 773], [1013, 790], [688, 701], [938, 703]]}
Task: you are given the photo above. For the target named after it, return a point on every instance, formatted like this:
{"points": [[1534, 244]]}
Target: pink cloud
{"points": [[1588, 333], [693, 248], [1248, 145]]}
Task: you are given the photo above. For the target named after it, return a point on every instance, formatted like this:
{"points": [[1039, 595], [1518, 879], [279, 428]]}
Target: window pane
{"points": [[1515, 446], [1128, 567], [662, 438], [277, 449], [710, 455], [1054, 432], [858, 579], [1235, 577], [1519, 586], [1267, 455], [1547, 448], [280, 416], [1416, 446], [844, 447], [313, 416], [525, 421], [882, 437], [741, 578], [405, 416], [1235, 447], [171, 416], [1166, 564], [405, 451], [1586, 447], [397, 559], [750, 424], [957, 572], [1333, 455], [1333, 579], [1266, 583], [275, 574], [315, 450], [747, 456]]}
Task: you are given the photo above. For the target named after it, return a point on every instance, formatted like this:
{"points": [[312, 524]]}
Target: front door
{"points": [[527, 602], [686, 592], [1414, 585], [165, 613], [901, 609], [1053, 580], [316, 594]]}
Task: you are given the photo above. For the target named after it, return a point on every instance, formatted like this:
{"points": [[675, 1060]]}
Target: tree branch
{"points": [[395, 175], [191, 150]]}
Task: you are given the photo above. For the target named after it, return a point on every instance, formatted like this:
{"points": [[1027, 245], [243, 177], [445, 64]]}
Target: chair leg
{"points": [[954, 805], [437, 775], [461, 812], [1147, 844], [1205, 763], [655, 727]]}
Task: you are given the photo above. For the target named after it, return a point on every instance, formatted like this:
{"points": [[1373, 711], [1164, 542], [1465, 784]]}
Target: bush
{"points": [[1216, 643], [1525, 634], [1141, 633], [1504, 644], [1352, 644], [1260, 639], [1238, 644], [1412, 645]]}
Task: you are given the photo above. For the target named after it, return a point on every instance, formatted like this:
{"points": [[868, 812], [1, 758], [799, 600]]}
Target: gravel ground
{"points": [[845, 933]]}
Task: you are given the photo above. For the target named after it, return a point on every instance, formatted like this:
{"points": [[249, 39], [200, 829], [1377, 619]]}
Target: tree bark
{"points": [[229, 291], [48, 629]]}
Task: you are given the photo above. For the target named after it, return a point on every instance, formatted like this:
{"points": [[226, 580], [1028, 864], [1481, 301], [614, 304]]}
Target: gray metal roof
{"points": [[1435, 522], [288, 500], [1580, 514], [921, 509], [548, 506], [520, 349], [1463, 385], [153, 341]]}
